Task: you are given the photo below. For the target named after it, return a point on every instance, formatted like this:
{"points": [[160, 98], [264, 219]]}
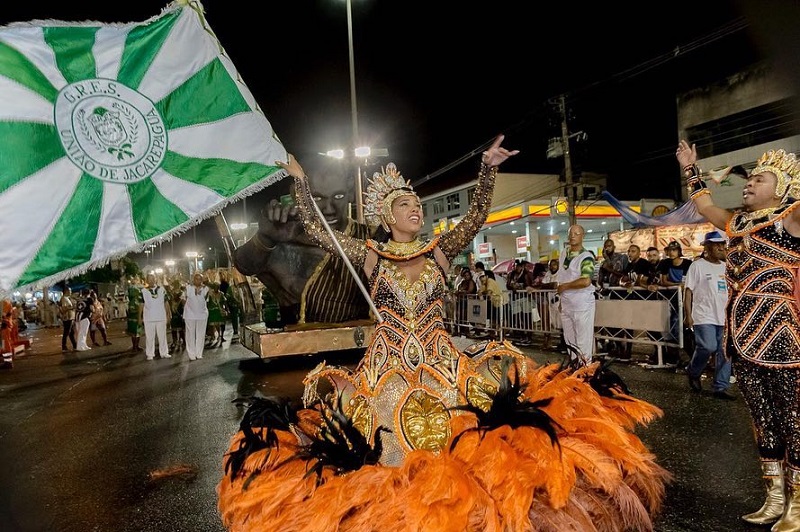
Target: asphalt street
{"points": [[104, 440]]}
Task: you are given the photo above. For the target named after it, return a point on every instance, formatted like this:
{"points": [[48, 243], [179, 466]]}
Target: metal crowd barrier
{"points": [[635, 316]]}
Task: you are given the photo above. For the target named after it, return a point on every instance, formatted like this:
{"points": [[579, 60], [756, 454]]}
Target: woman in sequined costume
{"points": [[763, 318], [582, 469]]}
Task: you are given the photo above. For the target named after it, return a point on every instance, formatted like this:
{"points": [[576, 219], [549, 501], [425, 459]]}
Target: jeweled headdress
{"points": [[384, 187], [786, 168]]}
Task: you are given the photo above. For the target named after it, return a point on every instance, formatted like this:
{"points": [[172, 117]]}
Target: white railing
{"points": [[635, 316]]}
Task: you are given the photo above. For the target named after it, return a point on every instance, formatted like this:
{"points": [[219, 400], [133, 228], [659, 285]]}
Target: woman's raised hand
{"points": [[496, 154], [293, 168]]}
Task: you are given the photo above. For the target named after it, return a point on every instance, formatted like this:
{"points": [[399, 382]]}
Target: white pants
{"points": [[83, 330], [195, 337], [151, 330], [578, 327]]}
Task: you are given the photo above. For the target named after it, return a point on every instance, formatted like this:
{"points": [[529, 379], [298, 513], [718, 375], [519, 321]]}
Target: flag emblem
{"points": [[115, 136], [110, 131]]}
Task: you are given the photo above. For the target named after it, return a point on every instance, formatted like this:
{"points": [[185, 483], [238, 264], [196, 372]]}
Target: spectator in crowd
{"points": [[497, 300], [217, 315], [176, 323], [577, 302], [517, 282], [672, 270], [479, 275], [97, 320], [466, 288], [553, 319], [455, 277], [652, 279], [233, 300], [154, 314], [705, 298], [109, 308], [134, 327], [66, 309], [611, 273], [638, 266], [537, 274], [613, 267]]}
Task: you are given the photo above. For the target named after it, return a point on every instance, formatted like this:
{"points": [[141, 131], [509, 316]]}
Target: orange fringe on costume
{"points": [[599, 478]]}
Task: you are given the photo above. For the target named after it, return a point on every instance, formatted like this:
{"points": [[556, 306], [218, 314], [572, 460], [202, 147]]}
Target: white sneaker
{"points": [[166, 356], [149, 358], [192, 358], [199, 356]]}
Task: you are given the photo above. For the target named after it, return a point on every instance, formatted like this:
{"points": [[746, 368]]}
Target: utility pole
{"points": [[567, 162]]}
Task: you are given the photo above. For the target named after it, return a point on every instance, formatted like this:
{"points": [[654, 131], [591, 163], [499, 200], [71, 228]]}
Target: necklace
{"points": [[404, 249], [745, 221]]}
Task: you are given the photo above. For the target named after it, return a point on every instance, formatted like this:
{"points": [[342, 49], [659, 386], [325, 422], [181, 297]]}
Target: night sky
{"points": [[436, 81]]}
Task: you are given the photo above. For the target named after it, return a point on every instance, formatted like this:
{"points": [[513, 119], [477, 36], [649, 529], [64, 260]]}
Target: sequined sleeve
{"points": [[453, 242], [354, 248]]}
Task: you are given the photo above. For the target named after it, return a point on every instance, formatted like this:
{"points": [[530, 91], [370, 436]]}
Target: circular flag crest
{"points": [[110, 131]]}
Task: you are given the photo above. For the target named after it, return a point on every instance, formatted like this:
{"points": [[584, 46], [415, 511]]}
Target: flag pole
{"points": [[346, 260]]}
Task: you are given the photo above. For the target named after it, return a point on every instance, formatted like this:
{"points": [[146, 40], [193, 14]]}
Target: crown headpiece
{"points": [[384, 187], [786, 168]]}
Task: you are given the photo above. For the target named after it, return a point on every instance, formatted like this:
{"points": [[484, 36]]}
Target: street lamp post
{"points": [[354, 112]]}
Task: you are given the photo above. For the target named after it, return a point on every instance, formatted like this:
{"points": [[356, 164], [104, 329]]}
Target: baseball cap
{"points": [[713, 236], [673, 245]]}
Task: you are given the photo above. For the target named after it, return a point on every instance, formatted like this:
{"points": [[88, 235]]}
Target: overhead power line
{"points": [[724, 31]]}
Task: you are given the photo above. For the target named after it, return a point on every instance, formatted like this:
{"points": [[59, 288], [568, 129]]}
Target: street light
{"points": [[359, 154]]}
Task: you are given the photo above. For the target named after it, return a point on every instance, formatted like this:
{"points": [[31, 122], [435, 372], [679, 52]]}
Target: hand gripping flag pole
{"points": [[346, 260]]}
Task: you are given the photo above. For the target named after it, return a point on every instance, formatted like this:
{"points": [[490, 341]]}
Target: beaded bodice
{"points": [[762, 268], [412, 315]]}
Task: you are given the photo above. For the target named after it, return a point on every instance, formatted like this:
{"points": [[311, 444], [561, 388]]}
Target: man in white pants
{"points": [[83, 310], [155, 313], [195, 316], [576, 291]]}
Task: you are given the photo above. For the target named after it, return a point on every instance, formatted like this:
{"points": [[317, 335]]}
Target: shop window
{"points": [[453, 203]]}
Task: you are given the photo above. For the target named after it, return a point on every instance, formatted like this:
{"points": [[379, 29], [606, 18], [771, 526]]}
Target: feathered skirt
{"points": [[594, 475]]}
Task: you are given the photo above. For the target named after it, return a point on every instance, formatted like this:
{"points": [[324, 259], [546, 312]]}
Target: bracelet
{"points": [[696, 187], [697, 194]]}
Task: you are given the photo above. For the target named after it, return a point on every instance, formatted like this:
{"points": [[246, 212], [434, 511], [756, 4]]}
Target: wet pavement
{"points": [[85, 436]]}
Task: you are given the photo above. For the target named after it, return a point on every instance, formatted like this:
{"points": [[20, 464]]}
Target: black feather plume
{"points": [[263, 417], [510, 408], [573, 361], [338, 444], [608, 383]]}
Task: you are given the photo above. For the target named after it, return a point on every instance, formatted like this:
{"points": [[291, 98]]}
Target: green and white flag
{"points": [[113, 136]]}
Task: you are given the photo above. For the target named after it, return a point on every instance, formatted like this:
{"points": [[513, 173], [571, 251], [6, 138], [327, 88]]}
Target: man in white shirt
{"points": [[706, 295], [195, 316], [576, 291], [155, 313]]}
